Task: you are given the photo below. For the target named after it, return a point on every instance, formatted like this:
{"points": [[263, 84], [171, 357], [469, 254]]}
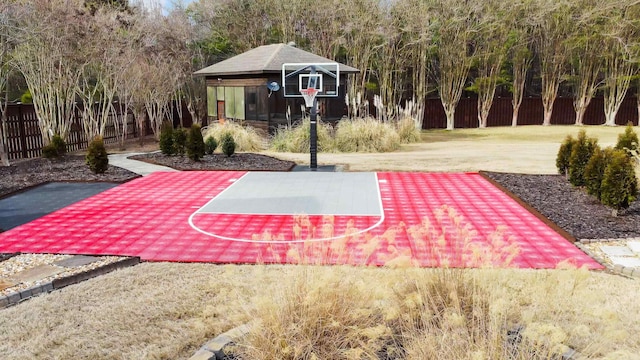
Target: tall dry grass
{"points": [[447, 313], [366, 135], [245, 137], [296, 138]]}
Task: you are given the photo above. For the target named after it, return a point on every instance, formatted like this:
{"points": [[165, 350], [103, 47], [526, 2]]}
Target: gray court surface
{"points": [[310, 193], [31, 204]]}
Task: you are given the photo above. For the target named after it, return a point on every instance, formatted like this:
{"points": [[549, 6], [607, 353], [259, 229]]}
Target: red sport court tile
{"points": [[428, 219]]}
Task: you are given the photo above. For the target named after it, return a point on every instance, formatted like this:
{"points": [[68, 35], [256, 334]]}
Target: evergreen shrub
{"points": [[581, 152], [179, 141], [210, 145], [564, 153], [594, 171], [228, 145], [195, 143], [97, 157], [628, 141], [166, 139], [619, 184]]}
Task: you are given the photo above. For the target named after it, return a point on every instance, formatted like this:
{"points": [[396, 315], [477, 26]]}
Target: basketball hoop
{"points": [[309, 94]]}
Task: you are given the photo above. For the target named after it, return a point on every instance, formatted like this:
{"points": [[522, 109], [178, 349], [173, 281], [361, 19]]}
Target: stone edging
{"points": [[214, 349], [56, 284], [623, 270]]}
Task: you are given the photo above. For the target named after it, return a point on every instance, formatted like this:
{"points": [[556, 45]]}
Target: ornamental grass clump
{"points": [[407, 130], [581, 152], [246, 138], [366, 135], [295, 139]]}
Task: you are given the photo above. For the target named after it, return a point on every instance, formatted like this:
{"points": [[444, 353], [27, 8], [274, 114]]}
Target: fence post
{"points": [[22, 132]]}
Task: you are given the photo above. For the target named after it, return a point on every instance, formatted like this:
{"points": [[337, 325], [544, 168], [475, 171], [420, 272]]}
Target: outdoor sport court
{"points": [[427, 219]]}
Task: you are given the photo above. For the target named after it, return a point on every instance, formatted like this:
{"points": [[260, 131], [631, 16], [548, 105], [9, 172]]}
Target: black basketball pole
{"points": [[313, 136], [313, 128]]}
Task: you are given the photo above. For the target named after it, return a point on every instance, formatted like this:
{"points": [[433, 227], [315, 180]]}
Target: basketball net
{"points": [[308, 95]]}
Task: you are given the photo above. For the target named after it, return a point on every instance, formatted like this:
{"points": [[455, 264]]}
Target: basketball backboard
{"points": [[324, 77]]}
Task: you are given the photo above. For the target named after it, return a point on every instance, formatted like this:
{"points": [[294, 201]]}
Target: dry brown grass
{"points": [[167, 310], [524, 149]]}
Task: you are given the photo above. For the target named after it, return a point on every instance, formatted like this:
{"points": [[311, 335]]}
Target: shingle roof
{"points": [[266, 59]]}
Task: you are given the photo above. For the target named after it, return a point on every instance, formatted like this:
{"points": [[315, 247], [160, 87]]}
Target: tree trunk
{"points": [[514, 118], [450, 111]]}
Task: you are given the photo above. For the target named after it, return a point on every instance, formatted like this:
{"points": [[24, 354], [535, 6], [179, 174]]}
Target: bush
{"points": [[366, 135], [97, 157], [195, 143], [56, 148], [246, 138], [581, 152], [58, 142], [564, 153], [594, 171], [49, 152], [619, 184], [628, 141], [407, 131], [296, 139], [228, 144], [166, 139], [210, 145], [179, 141]]}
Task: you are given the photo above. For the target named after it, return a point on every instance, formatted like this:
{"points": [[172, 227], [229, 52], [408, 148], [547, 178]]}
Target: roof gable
{"points": [[266, 59]]}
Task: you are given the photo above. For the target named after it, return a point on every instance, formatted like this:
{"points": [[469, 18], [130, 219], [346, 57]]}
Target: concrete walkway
{"points": [[138, 167]]}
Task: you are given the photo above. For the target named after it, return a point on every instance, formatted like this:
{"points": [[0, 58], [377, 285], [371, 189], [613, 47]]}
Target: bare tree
{"points": [[454, 30], [619, 52], [491, 52], [48, 59], [552, 24], [7, 42], [585, 58]]}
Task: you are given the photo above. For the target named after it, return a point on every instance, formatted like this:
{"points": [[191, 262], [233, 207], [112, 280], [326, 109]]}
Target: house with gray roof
{"points": [[237, 87]]}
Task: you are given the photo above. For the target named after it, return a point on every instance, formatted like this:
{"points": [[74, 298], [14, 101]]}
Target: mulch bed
{"points": [[572, 209], [238, 161], [24, 174]]}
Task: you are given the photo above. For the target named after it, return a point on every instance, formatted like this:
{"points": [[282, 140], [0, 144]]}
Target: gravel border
{"points": [[60, 281]]}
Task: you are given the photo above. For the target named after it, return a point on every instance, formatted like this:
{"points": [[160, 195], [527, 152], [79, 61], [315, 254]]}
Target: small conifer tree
{"points": [[228, 145], [210, 145], [564, 153], [195, 143], [628, 140], [166, 139], [581, 152], [594, 171], [619, 184], [179, 141], [97, 157]]}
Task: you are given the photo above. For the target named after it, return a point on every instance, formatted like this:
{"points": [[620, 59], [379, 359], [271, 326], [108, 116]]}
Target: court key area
{"points": [[419, 219]]}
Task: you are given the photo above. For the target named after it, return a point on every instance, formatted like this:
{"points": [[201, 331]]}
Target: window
{"points": [[212, 103]]}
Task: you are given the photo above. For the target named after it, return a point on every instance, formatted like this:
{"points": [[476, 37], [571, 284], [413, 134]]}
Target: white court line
{"points": [[221, 237]]}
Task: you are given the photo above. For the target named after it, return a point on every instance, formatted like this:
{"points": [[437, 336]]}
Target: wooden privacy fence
{"points": [[24, 139], [530, 113]]}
